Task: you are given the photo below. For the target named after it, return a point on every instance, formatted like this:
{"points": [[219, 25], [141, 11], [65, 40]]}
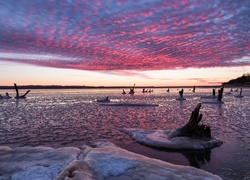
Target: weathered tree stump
{"points": [[132, 90], [17, 93], [181, 93], [193, 88], [220, 94], [213, 92], [240, 91], [193, 128]]}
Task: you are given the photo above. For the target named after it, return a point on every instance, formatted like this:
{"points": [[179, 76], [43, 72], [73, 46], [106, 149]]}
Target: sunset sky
{"points": [[122, 42]]}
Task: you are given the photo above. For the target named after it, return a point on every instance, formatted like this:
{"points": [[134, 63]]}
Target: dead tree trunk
{"points": [[213, 92], [17, 93], [181, 93], [220, 93], [192, 128]]}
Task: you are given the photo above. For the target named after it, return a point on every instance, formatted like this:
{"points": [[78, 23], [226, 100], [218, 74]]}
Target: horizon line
{"points": [[107, 87]]}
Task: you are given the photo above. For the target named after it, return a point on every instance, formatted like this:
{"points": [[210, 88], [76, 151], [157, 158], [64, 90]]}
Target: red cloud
{"points": [[103, 35]]}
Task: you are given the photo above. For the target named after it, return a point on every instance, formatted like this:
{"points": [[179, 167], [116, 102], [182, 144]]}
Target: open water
{"points": [[72, 117]]}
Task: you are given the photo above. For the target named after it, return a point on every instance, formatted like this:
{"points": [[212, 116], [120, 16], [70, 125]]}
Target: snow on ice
{"points": [[102, 160]]}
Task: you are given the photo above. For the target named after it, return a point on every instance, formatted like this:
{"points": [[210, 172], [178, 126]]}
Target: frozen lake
{"points": [[72, 117]]}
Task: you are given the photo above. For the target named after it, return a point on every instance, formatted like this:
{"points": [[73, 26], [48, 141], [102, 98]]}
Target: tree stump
{"points": [[17, 93], [220, 93], [193, 129], [181, 93]]}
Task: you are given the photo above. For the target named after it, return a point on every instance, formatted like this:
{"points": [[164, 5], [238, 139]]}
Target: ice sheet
{"points": [[34, 162], [71, 117], [110, 161], [104, 160], [159, 139], [128, 104]]}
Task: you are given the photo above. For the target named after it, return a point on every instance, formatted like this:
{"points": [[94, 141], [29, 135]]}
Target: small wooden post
{"points": [[220, 93], [213, 92]]}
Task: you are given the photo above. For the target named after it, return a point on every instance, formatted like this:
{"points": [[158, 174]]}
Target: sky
{"points": [[122, 42]]}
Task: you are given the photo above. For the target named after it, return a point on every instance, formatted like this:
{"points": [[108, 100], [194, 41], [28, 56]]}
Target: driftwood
{"points": [[191, 136], [213, 92], [181, 92], [239, 96], [132, 90], [193, 88], [220, 93], [7, 96], [17, 93], [193, 129], [240, 91]]}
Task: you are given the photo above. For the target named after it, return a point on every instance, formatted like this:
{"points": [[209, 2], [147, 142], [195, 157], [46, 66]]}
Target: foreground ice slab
{"points": [[111, 162], [34, 162], [104, 161]]}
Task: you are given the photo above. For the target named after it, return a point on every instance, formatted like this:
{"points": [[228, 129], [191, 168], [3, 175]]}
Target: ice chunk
{"points": [[159, 139], [108, 161], [35, 162], [103, 161]]}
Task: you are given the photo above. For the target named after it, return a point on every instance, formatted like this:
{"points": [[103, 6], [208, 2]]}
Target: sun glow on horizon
{"points": [[26, 74]]}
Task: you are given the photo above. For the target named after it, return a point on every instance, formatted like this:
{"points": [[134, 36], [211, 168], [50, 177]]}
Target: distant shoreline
{"points": [[115, 87], [98, 87]]}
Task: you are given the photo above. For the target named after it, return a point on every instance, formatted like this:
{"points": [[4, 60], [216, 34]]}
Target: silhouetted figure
{"points": [[17, 93]]}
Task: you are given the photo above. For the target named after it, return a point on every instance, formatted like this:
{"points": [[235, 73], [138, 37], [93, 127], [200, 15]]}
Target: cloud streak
{"points": [[126, 35]]}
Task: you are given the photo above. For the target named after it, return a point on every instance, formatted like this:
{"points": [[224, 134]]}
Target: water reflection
{"points": [[184, 157], [19, 102], [220, 109], [198, 158]]}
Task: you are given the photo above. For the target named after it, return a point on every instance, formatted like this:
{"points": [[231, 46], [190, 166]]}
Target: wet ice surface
{"points": [[59, 118], [102, 161]]}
